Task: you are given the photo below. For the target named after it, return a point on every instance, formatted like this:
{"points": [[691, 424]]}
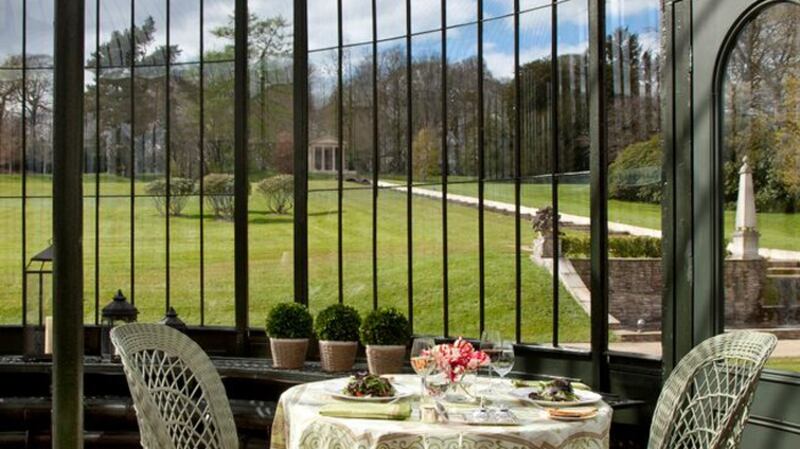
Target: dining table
{"points": [[300, 422]]}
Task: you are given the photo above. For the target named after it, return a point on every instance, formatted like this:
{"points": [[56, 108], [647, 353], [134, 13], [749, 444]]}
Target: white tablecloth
{"points": [[298, 425]]}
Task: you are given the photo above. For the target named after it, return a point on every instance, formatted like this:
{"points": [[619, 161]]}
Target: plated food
{"points": [[558, 390], [367, 387], [556, 393]]}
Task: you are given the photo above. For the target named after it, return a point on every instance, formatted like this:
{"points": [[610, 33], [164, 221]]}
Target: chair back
{"points": [[705, 402], [178, 395]]}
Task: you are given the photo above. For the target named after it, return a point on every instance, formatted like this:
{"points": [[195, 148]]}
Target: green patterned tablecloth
{"points": [[298, 425]]}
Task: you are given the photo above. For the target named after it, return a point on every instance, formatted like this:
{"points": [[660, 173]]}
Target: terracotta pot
{"points": [[288, 353], [337, 355], [386, 359]]}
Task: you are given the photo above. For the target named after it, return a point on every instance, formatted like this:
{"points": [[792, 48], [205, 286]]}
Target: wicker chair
{"points": [[179, 398], [705, 402]]}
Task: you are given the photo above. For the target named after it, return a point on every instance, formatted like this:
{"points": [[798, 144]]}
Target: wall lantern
{"points": [[171, 319], [118, 311], [37, 324]]}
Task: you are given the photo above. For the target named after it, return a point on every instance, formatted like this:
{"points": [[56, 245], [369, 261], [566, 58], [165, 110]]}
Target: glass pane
{"points": [[323, 132], [11, 259], [761, 162], [357, 116], [391, 18], [357, 21], [38, 107], [39, 33], [392, 115], [392, 250], [425, 15], [357, 248], [462, 264], [498, 101], [323, 265], [150, 20], [184, 33], [635, 184], [462, 104], [426, 108], [271, 158], [428, 264], [462, 11], [217, 202], [10, 132], [11, 33], [323, 29], [114, 33], [499, 265], [218, 30]]}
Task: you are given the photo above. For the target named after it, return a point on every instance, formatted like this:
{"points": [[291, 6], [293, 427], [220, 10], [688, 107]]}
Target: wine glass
{"points": [[502, 363], [490, 339], [422, 360]]}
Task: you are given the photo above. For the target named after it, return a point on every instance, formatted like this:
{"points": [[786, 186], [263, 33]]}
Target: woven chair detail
{"points": [[179, 398], [705, 402]]}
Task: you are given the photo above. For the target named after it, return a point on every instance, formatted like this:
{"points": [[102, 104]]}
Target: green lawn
{"points": [[271, 259], [777, 230], [784, 364]]}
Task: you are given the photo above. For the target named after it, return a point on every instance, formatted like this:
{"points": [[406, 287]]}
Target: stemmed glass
{"points": [[422, 360], [502, 363], [490, 340]]}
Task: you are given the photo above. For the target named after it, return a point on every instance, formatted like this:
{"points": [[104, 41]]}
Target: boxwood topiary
{"points": [[338, 322], [289, 320], [385, 326]]}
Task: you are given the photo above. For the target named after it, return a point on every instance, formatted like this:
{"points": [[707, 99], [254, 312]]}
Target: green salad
{"points": [[558, 390], [369, 385]]}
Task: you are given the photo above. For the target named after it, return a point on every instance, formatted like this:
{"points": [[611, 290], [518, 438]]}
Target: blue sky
{"points": [[640, 16]]}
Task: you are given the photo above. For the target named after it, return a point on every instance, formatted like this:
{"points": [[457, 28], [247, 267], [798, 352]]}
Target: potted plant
{"points": [[542, 223], [336, 327], [385, 333], [289, 326]]}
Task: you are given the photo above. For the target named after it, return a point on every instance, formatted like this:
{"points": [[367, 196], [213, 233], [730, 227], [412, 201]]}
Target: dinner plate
{"points": [[336, 391], [584, 398]]}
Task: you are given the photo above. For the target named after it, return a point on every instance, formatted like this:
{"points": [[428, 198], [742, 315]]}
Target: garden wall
{"points": [[635, 291]]}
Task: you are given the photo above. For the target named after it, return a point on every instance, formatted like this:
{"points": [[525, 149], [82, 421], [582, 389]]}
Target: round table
{"points": [[298, 425]]}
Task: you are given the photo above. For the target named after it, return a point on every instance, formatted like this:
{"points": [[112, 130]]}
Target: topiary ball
{"points": [[385, 326], [289, 320], [338, 322]]}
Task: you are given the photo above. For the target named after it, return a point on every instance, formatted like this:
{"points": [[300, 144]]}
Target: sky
{"points": [[640, 16]]}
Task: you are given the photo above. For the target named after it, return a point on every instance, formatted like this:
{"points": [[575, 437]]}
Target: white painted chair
{"points": [[705, 402], [178, 395]]}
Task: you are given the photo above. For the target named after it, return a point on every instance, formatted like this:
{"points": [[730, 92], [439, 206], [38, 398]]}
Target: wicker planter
{"points": [[337, 355], [387, 359], [289, 353]]}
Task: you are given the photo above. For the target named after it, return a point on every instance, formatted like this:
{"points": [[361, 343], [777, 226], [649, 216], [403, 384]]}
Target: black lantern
{"points": [[171, 319], [118, 311], [37, 299]]}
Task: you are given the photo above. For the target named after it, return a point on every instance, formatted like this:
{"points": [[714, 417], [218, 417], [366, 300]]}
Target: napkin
{"points": [[397, 411]]}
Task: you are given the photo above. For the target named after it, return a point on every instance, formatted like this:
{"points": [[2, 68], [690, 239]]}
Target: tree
{"points": [[426, 154]]}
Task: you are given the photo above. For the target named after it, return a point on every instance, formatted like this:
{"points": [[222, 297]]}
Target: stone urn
{"points": [[288, 353], [385, 359], [337, 356]]}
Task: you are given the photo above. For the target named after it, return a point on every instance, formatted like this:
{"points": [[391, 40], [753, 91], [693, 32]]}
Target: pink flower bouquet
{"points": [[458, 358]]}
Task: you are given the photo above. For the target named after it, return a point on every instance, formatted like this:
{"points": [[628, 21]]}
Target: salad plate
{"points": [[367, 388], [557, 393]]}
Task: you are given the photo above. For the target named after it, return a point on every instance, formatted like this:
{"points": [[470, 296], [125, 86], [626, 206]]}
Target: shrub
{"points": [[179, 190], [279, 192], [385, 326], [627, 247], [635, 175], [289, 320], [338, 322], [218, 189]]}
